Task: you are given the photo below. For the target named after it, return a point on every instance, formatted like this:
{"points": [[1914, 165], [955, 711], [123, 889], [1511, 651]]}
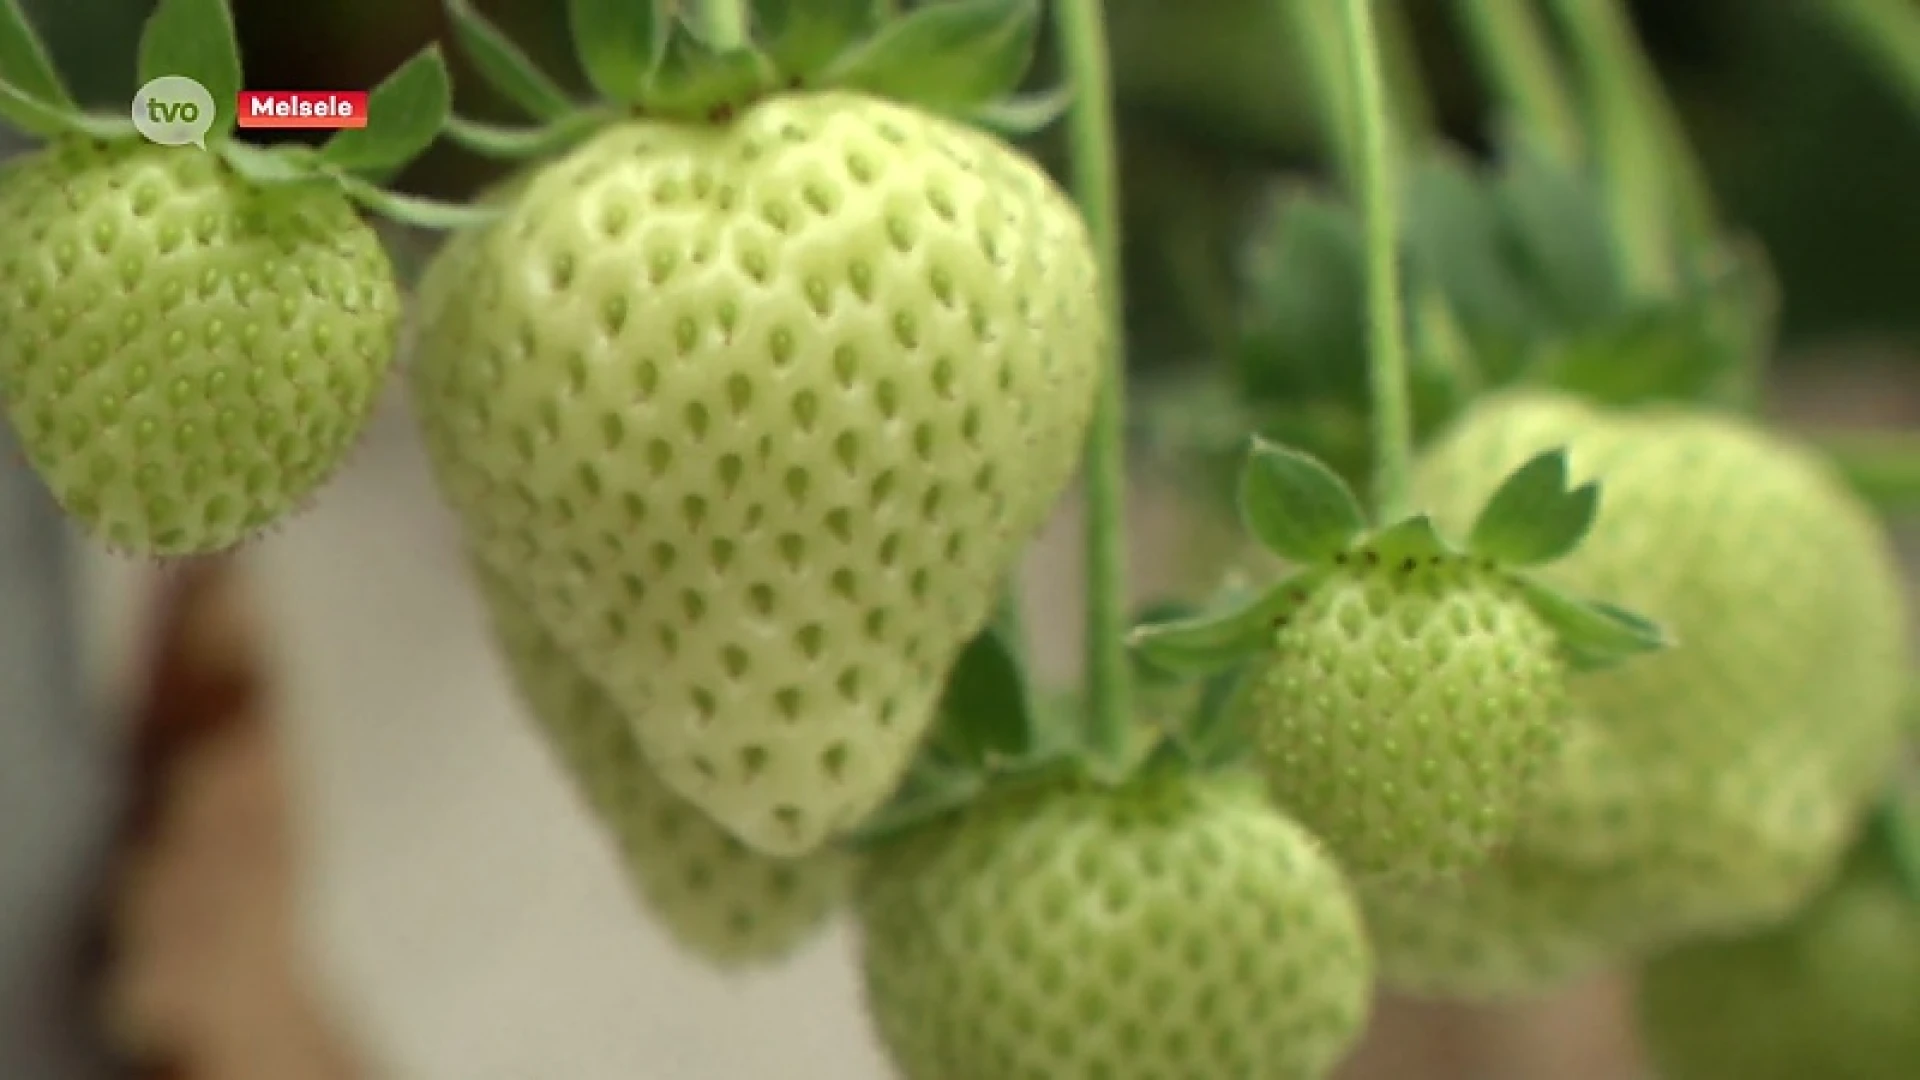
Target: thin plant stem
{"points": [[1887, 32], [1408, 101], [1655, 186], [1095, 172], [1511, 47], [1316, 30], [722, 22], [1380, 209]]}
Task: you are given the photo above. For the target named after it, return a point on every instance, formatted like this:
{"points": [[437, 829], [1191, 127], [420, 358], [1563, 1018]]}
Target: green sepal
{"points": [[1593, 635], [277, 166], [414, 210], [1405, 544], [24, 64], [950, 58], [1145, 672], [503, 143], [36, 117], [1534, 518], [986, 715], [405, 114], [804, 38], [693, 81], [1018, 116], [195, 38], [504, 66], [1211, 735], [1217, 640], [1296, 506], [620, 43]]}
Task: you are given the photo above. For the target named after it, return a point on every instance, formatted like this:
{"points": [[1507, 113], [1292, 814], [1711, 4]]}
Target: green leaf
{"points": [[1165, 611], [1304, 332], [803, 39], [1594, 635], [694, 82], [950, 57], [1018, 116], [1296, 506], [1403, 543], [1534, 518], [504, 66], [984, 712], [1557, 224], [24, 64], [619, 43], [1219, 639], [1454, 237], [278, 166], [194, 39], [31, 114], [1212, 736], [929, 791], [405, 114]]}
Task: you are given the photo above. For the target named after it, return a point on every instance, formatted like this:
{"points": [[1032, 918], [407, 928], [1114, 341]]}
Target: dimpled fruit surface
{"points": [[758, 416], [185, 357], [718, 898], [1173, 927]]}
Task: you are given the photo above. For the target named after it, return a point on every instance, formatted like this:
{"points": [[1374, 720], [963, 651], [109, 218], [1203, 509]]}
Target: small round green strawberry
{"points": [[1175, 926], [1406, 710], [1832, 993], [186, 357], [758, 416], [719, 899]]}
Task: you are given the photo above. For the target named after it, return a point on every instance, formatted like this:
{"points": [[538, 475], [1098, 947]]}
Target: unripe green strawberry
{"points": [[1832, 993], [1175, 926], [759, 416], [1406, 710], [718, 899], [1778, 586], [186, 357]]}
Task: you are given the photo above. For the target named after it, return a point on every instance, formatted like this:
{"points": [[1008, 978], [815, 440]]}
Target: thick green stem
{"points": [[1657, 189], [1083, 44], [1379, 199], [723, 22], [1515, 56], [1887, 32]]}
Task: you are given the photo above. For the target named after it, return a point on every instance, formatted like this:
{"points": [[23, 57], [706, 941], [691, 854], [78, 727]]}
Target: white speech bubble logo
{"points": [[174, 110]]}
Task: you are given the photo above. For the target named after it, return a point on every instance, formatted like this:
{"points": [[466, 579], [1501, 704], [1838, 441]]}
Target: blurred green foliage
{"points": [[1804, 143]]}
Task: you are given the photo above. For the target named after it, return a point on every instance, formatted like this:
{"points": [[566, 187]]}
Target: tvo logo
{"points": [[174, 110]]}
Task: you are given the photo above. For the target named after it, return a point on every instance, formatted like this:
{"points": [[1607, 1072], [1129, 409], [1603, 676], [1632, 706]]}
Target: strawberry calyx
{"points": [[1302, 511], [195, 39], [706, 62]]}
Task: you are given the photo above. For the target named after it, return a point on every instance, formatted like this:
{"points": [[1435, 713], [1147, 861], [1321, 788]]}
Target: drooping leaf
{"points": [[24, 63], [1558, 227], [1304, 332], [1454, 238], [1212, 736], [1018, 116], [194, 39], [1533, 517], [32, 115], [1594, 635], [512, 143], [415, 210], [619, 42], [805, 38], [405, 114], [1218, 639], [1296, 506], [504, 66], [949, 57]]}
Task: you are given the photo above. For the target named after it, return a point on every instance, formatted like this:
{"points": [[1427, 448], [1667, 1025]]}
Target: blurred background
{"points": [[277, 816]]}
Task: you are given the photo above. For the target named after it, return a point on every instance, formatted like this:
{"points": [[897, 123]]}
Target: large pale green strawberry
{"points": [[1406, 710], [1778, 586], [758, 416], [186, 357], [718, 898], [1605, 870], [1833, 992], [1174, 926]]}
